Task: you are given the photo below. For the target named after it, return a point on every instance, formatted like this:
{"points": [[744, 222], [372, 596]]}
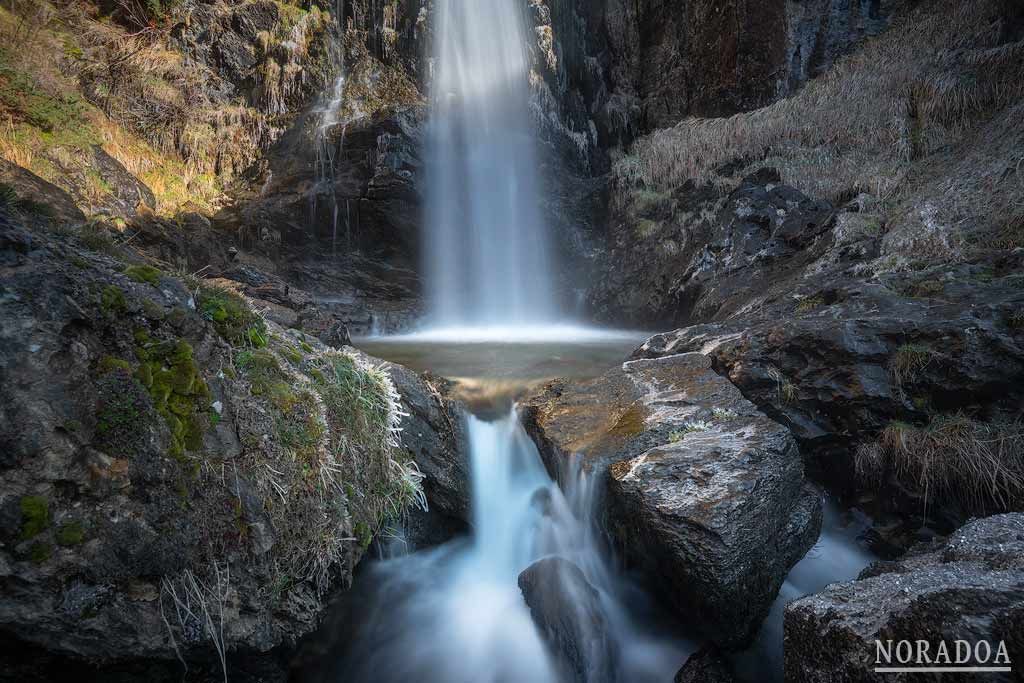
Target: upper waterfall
{"points": [[486, 249]]}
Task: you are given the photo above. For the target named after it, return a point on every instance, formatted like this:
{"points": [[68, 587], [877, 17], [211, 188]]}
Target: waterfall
{"points": [[486, 247], [455, 613]]}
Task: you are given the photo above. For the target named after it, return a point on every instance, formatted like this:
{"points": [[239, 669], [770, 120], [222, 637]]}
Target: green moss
{"points": [[306, 347], [70, 534], [363, 534], [179, 393], [153, 310], [110, 363], [112, 300], [145, 274], [291, 355], [646, 228], [177, 316], [40, 552], [35, 516], [232, 317]]}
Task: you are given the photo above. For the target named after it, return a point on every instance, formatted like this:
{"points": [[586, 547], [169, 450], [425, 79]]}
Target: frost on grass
{"points": [[322, 436]]}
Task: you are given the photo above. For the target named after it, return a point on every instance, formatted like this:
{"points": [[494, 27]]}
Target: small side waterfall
{"points": [[486, 248]]}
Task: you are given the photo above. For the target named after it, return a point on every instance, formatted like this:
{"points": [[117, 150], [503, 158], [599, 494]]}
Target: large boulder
{"points": [[705, 493], [163, 446], [567, 610], [970, 588]]}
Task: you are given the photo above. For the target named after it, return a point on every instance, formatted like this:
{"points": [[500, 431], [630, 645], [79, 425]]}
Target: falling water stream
{"points": [[454, 613], [487, 259]]}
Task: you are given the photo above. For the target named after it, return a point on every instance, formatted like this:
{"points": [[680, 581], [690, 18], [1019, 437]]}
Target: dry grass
{"points": [[907, 362], [856, 128], [980, 465], [142, 103]]}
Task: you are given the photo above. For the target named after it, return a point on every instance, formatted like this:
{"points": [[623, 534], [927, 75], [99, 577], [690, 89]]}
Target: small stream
{"points": [[456, 613]]}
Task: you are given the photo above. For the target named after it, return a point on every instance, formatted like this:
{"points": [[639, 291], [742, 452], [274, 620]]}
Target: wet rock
{"points": [[970, 588], [705, 666], [705, 493], [434, 434], [703, 253], [567, 610]]}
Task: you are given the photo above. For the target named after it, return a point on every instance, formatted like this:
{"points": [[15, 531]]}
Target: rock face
{"points": [[827, 364], [163, 446], [567, 610], [619, 68], [970, 588], [705, 493]]}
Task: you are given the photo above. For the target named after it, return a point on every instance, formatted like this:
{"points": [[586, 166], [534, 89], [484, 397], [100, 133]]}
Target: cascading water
{"points": [[455, 613], [487, 260]]}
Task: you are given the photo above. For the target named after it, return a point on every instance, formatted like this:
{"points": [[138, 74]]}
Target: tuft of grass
{"points": [[954, 457], [25, 206], [907, 363], [902, 96], [23, 99]]}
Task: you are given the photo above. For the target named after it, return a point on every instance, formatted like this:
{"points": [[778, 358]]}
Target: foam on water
{"points": [[560, 333]]}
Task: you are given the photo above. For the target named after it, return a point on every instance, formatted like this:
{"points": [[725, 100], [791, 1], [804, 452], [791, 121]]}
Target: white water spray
{"points": [[456, 613], [486, 247]]}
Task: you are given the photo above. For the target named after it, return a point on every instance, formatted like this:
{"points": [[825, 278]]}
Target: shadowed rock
{"points": [[706, 665], [971, 588], [567, 610]]}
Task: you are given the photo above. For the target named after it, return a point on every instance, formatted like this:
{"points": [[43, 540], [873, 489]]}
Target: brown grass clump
{"points": [[908, 361], [980, 465], [901, 97]]}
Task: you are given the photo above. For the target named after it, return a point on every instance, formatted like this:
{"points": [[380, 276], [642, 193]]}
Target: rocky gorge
{"points": [[814, 209]]}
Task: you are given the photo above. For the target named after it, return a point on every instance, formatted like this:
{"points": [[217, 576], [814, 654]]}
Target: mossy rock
{"points": [[144, 274], [35, 516], [39, 552], [124, 414], [110, 363], [113, 301], [232, 317], [70, 534]]}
